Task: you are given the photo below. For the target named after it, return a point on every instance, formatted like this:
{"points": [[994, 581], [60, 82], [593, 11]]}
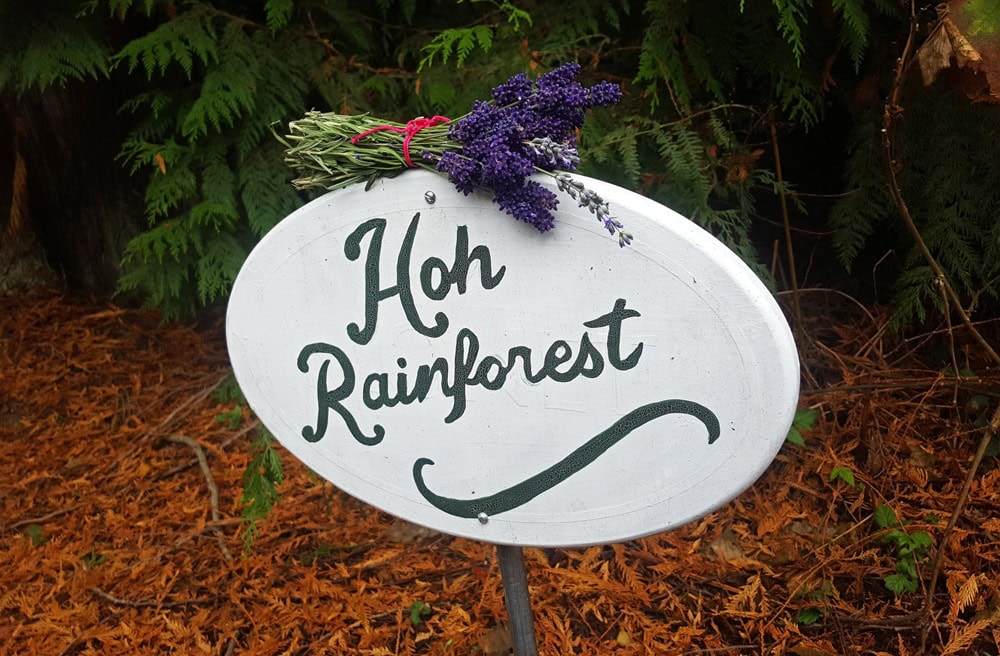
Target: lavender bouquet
{"points": [[526, 128]]}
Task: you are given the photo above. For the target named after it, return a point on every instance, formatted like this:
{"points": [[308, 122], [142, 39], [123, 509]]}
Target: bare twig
{"points": [[988, 435], [229, 440], [951, 341], [213, 491], [164, 425], [789, 249], [147, 603], [39, 520]]}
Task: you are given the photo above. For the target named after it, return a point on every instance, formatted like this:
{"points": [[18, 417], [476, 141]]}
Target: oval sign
{"points": [[426, 353]]}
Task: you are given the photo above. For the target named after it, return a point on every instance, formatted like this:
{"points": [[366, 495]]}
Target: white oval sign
{"points": [[461, 370]]}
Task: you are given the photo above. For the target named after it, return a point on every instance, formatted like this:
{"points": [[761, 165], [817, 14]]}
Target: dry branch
{"points": [[151, 603], [213, 490]]}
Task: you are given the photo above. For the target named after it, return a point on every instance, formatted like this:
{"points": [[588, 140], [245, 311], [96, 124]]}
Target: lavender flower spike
{"points": [[527, 128], [556, 155], [595, 204]]}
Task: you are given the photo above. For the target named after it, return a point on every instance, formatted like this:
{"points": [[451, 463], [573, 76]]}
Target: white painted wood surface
{"points": [[621, 449]]}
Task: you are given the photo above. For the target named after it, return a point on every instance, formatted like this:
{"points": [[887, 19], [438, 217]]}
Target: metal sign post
{"points": [[515, 592]]}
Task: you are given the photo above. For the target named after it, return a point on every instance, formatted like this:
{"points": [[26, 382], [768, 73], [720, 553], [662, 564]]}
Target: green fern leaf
{"points": [[218, 182], [460, 41], [914, 291], [265, 191], [218, 266], [213, 215], [119, 8], [261, 478], [227, 92], [281, 69], [187, 38], [165, 192], [857, 27], [659, 58], [278, 12], [56, 52], [791, 19]]}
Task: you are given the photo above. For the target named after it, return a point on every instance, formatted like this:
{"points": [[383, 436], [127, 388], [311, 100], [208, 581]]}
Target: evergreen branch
{"points": [[261, 478], [683, 120]]}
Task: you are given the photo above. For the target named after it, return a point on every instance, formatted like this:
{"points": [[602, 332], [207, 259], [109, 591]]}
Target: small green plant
{"points": [[419, 611], [232, 417], [93, 558], [910, 548], [260, 481], [804, 420], [34, 533], [847, 476], [316, 554], [228, 390], [821, 597]]}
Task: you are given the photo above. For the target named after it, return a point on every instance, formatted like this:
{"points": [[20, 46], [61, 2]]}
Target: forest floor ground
{"points": [[115, 539]]}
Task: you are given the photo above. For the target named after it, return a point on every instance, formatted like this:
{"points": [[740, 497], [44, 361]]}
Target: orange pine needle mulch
{"points": [[109, 543]]}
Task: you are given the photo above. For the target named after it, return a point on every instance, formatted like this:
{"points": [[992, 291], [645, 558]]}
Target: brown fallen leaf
{"points": [[965, 45], [404, 532], [727, 546], [497, 642]]}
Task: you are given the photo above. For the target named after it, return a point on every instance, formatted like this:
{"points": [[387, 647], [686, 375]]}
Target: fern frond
{"points": [[166, 192], [265, 190], [683, 153], [282, 66], [57, 52], [218, 266], [867, 205], [155, 101], [278, 13], [857, 27], [461, 42], [121, 7], [660, 57], [261, 478], [228, 91], [188, 38], [791, 19], [798, 98], [915, 290], [154, 263], [218, 182]]}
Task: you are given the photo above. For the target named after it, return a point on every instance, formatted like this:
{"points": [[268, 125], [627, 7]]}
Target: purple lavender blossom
{"points": [[513, 90], [531, 203], [528, 128]]}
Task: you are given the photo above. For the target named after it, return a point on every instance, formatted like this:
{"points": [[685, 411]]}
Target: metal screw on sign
{"points": [[515, 592]]}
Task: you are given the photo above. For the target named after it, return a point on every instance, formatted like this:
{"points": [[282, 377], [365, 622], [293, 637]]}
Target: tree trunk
{"points": [[68, 197]]}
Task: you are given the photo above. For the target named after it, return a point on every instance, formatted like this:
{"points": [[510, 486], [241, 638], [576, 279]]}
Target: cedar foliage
{"points": [[704, 82]]}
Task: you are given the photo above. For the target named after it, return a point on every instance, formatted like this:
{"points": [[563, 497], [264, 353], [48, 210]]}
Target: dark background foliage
{"points": [[136, 134]]}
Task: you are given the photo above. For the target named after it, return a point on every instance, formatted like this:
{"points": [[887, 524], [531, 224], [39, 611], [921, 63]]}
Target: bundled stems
{"points": [[526, 128]]}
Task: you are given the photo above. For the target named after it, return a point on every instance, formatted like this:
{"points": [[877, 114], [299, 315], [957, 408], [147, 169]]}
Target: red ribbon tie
{"points": [[412, 127]]}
